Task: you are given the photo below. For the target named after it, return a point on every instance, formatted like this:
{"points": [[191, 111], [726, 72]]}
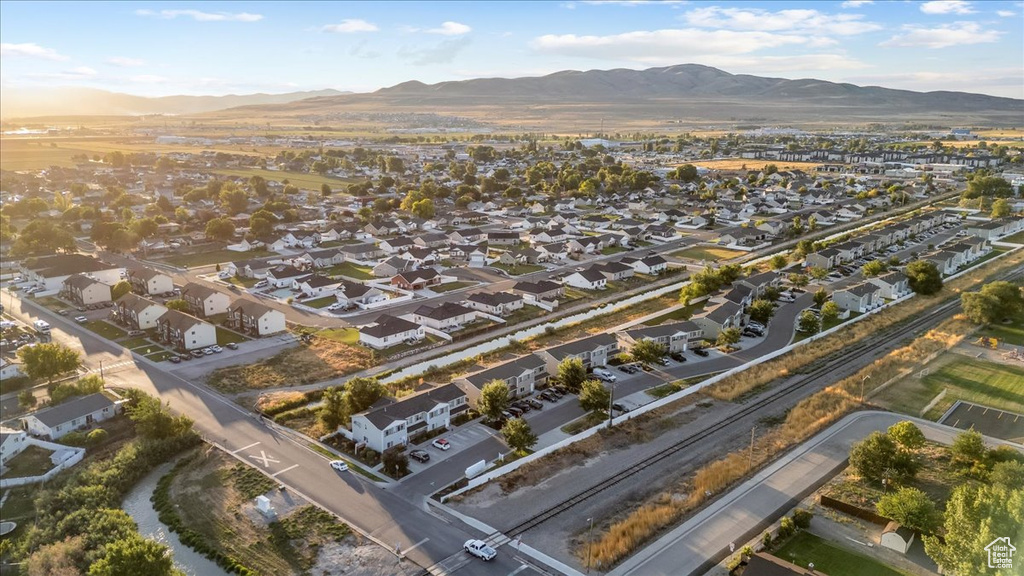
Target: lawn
{"points": [[441, 288], [225, 336], [243, 282], [523, 314], [33, 461], [302, 180], [105, 329], [213, 257], [132, 343], [320, 302], [343, 335], [804, 548], [148, 349], [1012, 333], [350, 270], [684, 313], [518, 269], [613, 250], [585, 422], [160, 356], [672, 387], [708, 253], [1017, 238]]}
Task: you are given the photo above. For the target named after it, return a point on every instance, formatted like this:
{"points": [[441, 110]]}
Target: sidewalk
{"points": [[703, 540]]}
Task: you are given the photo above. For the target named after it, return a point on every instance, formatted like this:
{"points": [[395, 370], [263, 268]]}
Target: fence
{"points": [[855, 511], [74, 456]]}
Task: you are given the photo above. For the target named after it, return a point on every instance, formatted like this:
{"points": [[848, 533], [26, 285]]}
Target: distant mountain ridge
{"points": [[73, 101]]}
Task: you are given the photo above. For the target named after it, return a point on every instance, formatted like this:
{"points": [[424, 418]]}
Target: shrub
{"points": [[802, 518], [97, 436], [766, 540], [786, 527]]}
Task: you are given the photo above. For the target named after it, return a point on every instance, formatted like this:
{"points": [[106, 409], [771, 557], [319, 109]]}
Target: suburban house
{"points": [[388, 331], [502, 238], [249, 268], [147, 282], [204, 300], [593, 351], [893, 285], [255, 319], [391, 423], [760, 282], [496, 304], [446, 316], [361, 252], [589, 279], [9, 369], [614, 270], [740, 294], [83, 290], [396, 245], [713, 321], [392, 266], [353, 293], [51, 271], [859, 297], [416, 279], [283, 276], [826, 259], [183, 332], [650, 265], [56, 421], [540, 290], [12, 443], [315, 285], [520, 375], [675, 337], [138, 313]]}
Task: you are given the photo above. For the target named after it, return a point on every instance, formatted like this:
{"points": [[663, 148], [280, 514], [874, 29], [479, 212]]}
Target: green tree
{"points": [[41, 237], [145, 227], [518, 435], [817, 272], [152, 419], [762, 311], [178, 304], [995, 301], [594, 396], [325, 190], [686, 173], [1007, 474], [728, 337], [571, 373], [493, 400], [234, 200], [45, 361], [1001, 208], [976, 515], [808, 323], [799, 280], [424, 209], [968, 449], [361, 393], [120, 289], [877, 457], [911, 508], [778, 262], [332, 412], [820, 297], [134, 555], [220, 229], [647, 351], [26, 399], [923, 277], [987, 187], [873, 268], [829, 312], [395, 461]]}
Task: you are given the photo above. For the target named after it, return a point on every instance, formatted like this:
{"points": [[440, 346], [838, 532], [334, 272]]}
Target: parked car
{"points": [[198, 354], [536, 404], [339, 465], [419, 455], [174, 359], [546, 395], [701, 352], [605, 375], [232, 345], [664, 361], [441, 444], [136, 332], [62, 312], [81, 319], [523, 405], [216, 349], [515, 412], [620, 407], [480, 549], [678, 357]]}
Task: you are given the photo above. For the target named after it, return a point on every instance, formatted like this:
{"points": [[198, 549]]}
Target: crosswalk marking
{"points": [[274, 475]]}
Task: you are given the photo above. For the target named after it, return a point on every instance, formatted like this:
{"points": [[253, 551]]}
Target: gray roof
{"points": [[584, 345], [722, 312], [662, 330], [81, 281], [388, 325], [495, 299], [136, 303], [145, 273], [443, 311], [66, 265], [250, 308], [385, 414], [592, 275], [861, 289], [506, 370], [72, 409], [196, 290], [179, 320]]}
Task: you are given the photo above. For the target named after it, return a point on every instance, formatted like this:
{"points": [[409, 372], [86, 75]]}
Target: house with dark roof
{"points": [[393, 265], [860, 298], [503, 238], [138, 313], [203, 300], [315, 285], [712, 321], [446, 316], [593, 351], [893, 285], [361, 252], [78, 413], [51, 271], [652, 264], [255, 318], [758, 283], [391, 423], [540, 290], [284, 276], [495, 304], [147, 282], [764, 564], [354, 294], [675, 337], [614, 270], [396, 245], [83, 290], [521, 376], [183, 332], [589, 279], [416, 279], [825, 259], [388, 331]]}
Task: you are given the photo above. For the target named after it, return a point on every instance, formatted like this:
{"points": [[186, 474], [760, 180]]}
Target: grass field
{"points": [[107, 330], [303, 181], [213, 257], [350, 270], [134, 342], [321, 302], [613, 250], [148, 349], [830, 559], [750, 164], [518, 270], [1012, 333], [225, 336], [1017, 238], [708, 253], [160, 356], [33, 461], [243, 282], [343, 335], [441, 288], [684, 313]]}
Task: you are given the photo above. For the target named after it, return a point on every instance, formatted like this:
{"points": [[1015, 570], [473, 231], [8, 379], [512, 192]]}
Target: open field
{"points": [[320, 303], [517, 270], [1017, 238], [708, 253], [350, 270], [1012, 333], [343, 335], [804, 548], [964, 378], [753, 164], [320, 360], [213, 257], [303, 181]]}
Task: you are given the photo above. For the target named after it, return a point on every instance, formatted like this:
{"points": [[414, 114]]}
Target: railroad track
{"points": [[899, 332]]}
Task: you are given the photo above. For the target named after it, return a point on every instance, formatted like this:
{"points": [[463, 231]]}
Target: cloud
{"points": [[148, 79], [30, 50], [442, 53], [450, 29], [200, 16], [77, 73], [956, 34], [856, 3], [1006, 82], [947, 7], [1006, 13], [669, 45], [349, 26], [124, 62], [755, 19]]}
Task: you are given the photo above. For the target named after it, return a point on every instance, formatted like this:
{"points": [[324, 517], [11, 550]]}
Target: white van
{"points": [[42, 326]]}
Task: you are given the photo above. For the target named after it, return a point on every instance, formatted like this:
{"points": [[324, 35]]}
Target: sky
{"points": [[166, 48]]}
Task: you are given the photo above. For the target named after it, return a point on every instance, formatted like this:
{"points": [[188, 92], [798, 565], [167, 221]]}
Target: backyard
{"points": [[33, 461], [225, 336], [708, 253], [518, 269], [350, 270], [804, 548], [441, 288]]}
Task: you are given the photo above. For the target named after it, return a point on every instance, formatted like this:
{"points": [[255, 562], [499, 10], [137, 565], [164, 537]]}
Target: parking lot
{"points": [[850, 273]]}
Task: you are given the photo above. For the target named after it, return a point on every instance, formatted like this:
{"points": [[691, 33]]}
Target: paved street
{"points": [[744, 512]]}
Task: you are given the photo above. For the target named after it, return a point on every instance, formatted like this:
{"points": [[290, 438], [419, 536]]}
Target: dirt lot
{"points": [[309, 363], [214, 496]]}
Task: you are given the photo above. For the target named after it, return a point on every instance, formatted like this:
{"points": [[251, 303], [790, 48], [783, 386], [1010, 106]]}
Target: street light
{"points": [[590, 541], [862, 381], [611, 398]]}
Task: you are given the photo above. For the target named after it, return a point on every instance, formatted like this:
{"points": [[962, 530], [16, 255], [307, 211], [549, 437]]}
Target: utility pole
{"points": [[611, 398], [862, 381], [750, 462], [101, 371], [590, 541]]}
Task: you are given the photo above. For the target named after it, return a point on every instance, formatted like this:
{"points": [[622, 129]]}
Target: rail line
{"points": [[904, 329]]}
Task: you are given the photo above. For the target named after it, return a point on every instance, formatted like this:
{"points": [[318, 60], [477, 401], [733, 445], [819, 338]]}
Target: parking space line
{"points": [[274, 475], [518, 570], [245, 447]]}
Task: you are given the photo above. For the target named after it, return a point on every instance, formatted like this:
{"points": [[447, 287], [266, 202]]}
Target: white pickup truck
{"points": [[42, 326]]}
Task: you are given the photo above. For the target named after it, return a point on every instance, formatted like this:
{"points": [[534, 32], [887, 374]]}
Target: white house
{"points": [[388, 331], [650, 265], [204, 300], [145, 281], [392, 423], [56, 421], [446, 316], [255, 318], [589, 279], [675, 337], [893, 285], [183, 332], [520, 375], [83, 290], [51, 271], [593, 351], [496, 304], [860, 298], [9, 369], [12, 442], [137, 312]]}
